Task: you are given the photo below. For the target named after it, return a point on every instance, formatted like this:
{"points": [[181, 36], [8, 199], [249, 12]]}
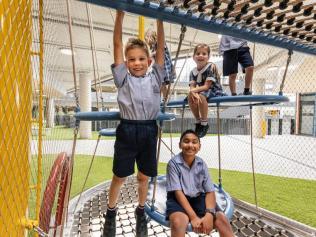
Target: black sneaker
{"points": [[197, 128], [109, 228], [141, 225], [203, 131], [247, 93]]}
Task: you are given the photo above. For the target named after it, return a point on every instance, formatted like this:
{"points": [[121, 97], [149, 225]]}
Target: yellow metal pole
{"points": [[263, 128], [41, 112], [141, 25]]}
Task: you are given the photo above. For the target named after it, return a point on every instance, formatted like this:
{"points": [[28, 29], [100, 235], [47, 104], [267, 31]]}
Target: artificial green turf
{"points": [[293, 198]]}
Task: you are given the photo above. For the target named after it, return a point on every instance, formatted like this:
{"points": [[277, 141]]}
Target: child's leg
{"points": [[147, 164], [195, 111], [109, 228], [248, 77], [178, 224], [194, 108], [230, 68], [141, 222], [232, 83], [203, 108], [245, 59], [114, 190], [223, 226], [142, 188]]}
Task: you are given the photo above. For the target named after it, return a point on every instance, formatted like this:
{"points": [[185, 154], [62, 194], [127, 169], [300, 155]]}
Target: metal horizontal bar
{"points": [[108, 115]]}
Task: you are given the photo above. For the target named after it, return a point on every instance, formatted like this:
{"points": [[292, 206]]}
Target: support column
{"points": [[259, 123], [50, 113], [85, 103]]}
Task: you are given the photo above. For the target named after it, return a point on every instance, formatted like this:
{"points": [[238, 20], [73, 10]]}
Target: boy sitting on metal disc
{"points": [[191, 193]]}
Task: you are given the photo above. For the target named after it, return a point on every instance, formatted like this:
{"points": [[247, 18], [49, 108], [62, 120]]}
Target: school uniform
{"points": [[136, 135], [193, 181], [199, 77], [234, 51]]}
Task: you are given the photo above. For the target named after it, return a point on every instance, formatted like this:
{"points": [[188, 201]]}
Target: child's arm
{"points": [[208, 219], [194, 96], [207, 85], [194, 219], [117, 38], [210, 200], [160, 52]]}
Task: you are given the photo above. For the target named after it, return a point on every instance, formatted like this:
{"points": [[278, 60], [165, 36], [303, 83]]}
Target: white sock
{"points": [[203, 122]]}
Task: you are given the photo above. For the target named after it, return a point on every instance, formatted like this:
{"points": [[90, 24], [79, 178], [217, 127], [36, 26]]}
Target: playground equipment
{"points": [[32, 35]]}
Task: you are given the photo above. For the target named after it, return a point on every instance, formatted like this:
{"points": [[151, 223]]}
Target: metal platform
{"points": [[87, 220], [239, 21]]}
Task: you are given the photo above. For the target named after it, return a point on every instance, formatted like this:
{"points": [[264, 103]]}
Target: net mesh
{"points": [[37, 104], [15, 105]]}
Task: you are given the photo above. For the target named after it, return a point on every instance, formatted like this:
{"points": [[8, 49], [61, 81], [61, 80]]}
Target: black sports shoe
{"points": [[197, 128], [247, 93], [203, 130], [141, 225], [109, 228]]}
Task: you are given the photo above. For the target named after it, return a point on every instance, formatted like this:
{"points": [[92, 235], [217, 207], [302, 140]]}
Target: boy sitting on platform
{"points": [[136, 135], [190, 192]]}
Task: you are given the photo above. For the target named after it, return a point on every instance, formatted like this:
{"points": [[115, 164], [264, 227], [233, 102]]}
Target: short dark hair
{"points": [[202, 46], [133, 43], [189, 131]]}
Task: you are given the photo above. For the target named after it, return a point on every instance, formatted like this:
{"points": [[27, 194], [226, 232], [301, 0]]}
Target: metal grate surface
{"points": [[88, 221]]}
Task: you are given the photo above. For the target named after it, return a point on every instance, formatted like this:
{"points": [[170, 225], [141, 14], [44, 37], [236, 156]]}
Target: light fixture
{"points": [[67, 51], [273, 68]]}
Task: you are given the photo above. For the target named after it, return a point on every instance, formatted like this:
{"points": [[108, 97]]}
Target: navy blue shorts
{"points": [[197, 204], [136, 141], [232, 57]]}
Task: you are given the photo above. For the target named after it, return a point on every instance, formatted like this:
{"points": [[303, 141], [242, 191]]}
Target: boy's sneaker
{"points": [[197, 128], [141, 225], [109, 228], [203, 130]]}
